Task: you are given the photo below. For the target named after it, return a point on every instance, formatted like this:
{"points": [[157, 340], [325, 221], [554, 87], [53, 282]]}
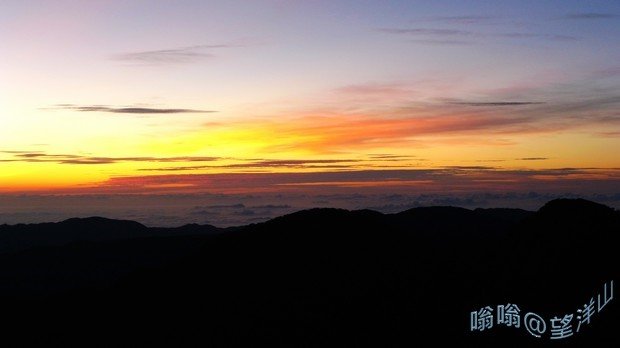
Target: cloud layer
{"points": [[446, 179]]}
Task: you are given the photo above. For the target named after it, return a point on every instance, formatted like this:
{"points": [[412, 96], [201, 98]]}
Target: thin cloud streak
{"points": [[456, 36], [463, 19], [428, 31], [439, 42], [264, 164], [128, 110], [498, 103], [300, 164], [365, 90], [186, 54], [40, 157], [590, 16]]}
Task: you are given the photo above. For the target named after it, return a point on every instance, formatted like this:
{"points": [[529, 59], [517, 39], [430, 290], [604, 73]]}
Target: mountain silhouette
{"points": [[24, 236], [319, 277]]}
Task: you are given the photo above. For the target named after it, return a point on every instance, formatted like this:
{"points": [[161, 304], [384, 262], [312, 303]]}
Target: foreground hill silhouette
{"points": [[320, 277]]}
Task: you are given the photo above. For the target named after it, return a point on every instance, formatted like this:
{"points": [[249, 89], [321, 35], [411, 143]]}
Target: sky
{"points": [[222, 100]]}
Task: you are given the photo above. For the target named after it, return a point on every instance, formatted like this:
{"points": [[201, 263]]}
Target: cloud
{"points": [[223, 206], [497, 103], [464, 19], [370, 89], [457, 36], [586, 107], [41, 157], [265, 164], [608, 72], [127, 110], [442, 42], [396, 128], [428, 32], [89, 161], [402, 181], [590, 15], [390, 157], [277, 163], [444, 121], [16, 151], [244, 212], [272, 206], [611, 134], [36, 157], [400, 123], [533, 159], [562, 37], [470, 167], [491, 160], [518, 35], [179, 55]]}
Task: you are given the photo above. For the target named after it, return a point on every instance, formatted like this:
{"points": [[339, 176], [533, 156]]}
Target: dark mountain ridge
{"points": [[24, 236], [322, 277]]}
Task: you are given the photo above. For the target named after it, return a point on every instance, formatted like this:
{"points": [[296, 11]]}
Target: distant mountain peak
{"points": [[95, 219], [101, 221], [570, 206]]}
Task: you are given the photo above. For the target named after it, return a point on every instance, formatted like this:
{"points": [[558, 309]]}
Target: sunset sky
{"points": [[271, 97]]}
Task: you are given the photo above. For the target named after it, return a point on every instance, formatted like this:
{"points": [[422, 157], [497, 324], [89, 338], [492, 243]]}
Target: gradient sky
{"points": [[236, 97]]}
